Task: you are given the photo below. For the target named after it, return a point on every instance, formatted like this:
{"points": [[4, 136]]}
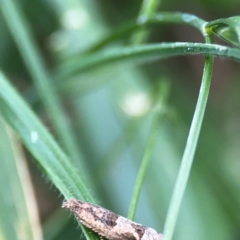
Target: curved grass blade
{"points": [[157, 118], [19, 216], [153, 19], [190, 148], [144, 52], [42, 146], [138, 53]]}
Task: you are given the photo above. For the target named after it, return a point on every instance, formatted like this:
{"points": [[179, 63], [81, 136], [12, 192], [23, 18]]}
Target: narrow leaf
{"points": [[227, 29], [42, 146], [19, 216]]}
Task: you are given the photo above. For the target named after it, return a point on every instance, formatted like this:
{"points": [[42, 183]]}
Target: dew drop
{"points": [[34, 136]]}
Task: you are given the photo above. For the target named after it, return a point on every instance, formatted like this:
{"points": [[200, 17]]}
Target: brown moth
{"points": [[109, 224]]}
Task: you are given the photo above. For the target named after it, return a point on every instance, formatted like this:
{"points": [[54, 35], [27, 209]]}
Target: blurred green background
{"points": [[109, 110]]}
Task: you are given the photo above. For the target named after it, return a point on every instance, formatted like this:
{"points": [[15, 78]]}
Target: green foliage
{"points": [[226, 28], [18, 209], [108, 108]]}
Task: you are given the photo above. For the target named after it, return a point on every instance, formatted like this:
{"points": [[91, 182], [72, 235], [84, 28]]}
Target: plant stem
{"points": [[34, 63], [188, 156], [148, 8], [66, 72], [163, 94], [148, 51], [158, 18]]}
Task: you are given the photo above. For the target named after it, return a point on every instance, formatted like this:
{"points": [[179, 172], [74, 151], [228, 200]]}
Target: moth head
{"points": [[71, 204]]}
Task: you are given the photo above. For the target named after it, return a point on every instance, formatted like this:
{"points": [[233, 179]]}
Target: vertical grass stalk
{"points": [[188, 156], [148, 8], [163, 94]]}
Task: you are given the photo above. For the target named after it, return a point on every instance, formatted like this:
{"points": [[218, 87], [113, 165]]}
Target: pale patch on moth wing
{"points": [[151, 234], [109, 224], [127, 230]]}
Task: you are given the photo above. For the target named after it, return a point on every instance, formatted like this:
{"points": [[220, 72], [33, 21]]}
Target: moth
{"points": [[109, 224]]}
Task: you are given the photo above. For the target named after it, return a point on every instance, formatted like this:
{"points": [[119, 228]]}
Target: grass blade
{"points": [[19, 216], [148, 8], [42, 146], [163, 93], [189, 152], [34, 63], [144, 52], [158, 18]]}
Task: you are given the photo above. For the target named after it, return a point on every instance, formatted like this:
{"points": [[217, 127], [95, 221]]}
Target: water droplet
{"points": [[188, 17], [222, 48], [141, 20], [189, 49], [34, 136]]}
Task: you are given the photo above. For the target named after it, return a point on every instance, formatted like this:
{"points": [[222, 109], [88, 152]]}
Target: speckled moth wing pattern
{"points": [[109, 224]]}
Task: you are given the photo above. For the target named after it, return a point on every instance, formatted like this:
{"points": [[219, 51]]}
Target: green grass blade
{"points": [[148, 8], [19, 216], [34, 63], [144, 52], [189, 152], [42, 146], [155, 19], [158, 115]]}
